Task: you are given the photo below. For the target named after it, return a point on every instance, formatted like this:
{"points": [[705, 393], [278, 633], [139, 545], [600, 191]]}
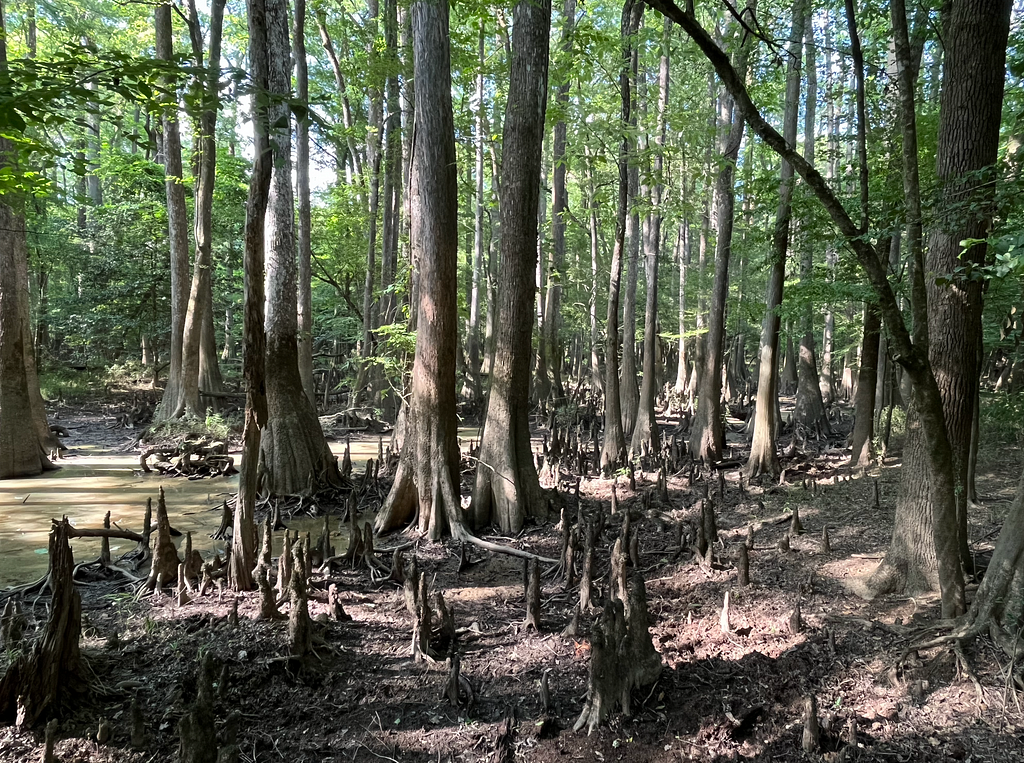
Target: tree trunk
{"points": [[646, 427], [475, 361], [305, 276], [596, 375], [613, 450], [864, 405], [559, 210], [809, 409], [975, 49], [20, 456], [254, 338], [507, 488], [706, 436], [177, 223], [764, 457], [427, 481], [294, 453]]}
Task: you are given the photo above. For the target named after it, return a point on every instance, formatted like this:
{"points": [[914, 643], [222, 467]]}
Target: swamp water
{"points": [[87, 486]]}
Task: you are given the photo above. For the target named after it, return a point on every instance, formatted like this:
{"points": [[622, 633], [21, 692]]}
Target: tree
{"points": [[507, 489], [559, 211], [613, 449], [254, 338], [305, 298], [764, 457], [177, 223], [427, 482], [969, 119], [296, 457], [645, 431], [706, 436]]}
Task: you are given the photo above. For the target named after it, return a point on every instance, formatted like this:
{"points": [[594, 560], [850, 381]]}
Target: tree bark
{"points": [[764, 456], [559, 209], [427, 482], [706, 435], [613, 450], [507, 488], [975, 49], [305, 241], [646, 428], [254, 338], [295, 456], [809, 408], [177, 222]]}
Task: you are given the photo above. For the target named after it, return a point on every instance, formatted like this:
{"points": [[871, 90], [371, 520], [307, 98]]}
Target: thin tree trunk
{"points": [[809, 409], [254, 339], [177, 223], [559, 210], [475, 360], [305, 241], [613, 450], [645, 432], [706, 435], [764, 456]]}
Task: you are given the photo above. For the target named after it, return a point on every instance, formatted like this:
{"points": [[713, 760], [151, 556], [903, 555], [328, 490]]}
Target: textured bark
{"points": [[613, 449], [1000, 597], [427, 482], [295, 456], [507, 489], [254, 341], [473, 330], [596, 375], [645, 431], [629, 391], [864, 404], [305, 283], [808, 408], [37, 681], [559, 209], [706, 435], [177, 223], [764, 457]]}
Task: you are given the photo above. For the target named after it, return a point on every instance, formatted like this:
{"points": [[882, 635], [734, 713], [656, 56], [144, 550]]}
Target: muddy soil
{"points": [[722, 696]]}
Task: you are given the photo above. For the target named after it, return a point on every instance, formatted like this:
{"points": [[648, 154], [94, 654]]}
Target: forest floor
{"points": [[721, 696]]}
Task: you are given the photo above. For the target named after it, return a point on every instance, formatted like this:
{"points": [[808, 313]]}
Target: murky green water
{"points": [[88, 486]]}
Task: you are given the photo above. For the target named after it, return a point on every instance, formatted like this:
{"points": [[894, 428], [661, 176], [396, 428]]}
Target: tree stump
{"points": [[623, 656], [164, 566], [197, 736], [533, 597], [42, 676], [743, 567], [300, 628]]}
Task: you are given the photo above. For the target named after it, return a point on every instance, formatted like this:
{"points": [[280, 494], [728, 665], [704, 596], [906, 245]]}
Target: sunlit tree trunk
{"points": [[305, 241], [177, 223], [645, 431], [764, 456], [706, 435], [507, 488], [254, 341], [294, 453], [427, 483]]}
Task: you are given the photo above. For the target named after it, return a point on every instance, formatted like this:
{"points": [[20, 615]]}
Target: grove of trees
{"points": [[609, 238]]}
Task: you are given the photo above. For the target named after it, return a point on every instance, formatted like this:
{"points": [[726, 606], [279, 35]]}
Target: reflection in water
{"points": [[87, 487]]}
